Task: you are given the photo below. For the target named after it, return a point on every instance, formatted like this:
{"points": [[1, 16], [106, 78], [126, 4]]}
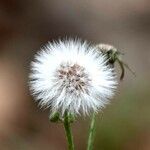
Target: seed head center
{"points": [[73, 77]]}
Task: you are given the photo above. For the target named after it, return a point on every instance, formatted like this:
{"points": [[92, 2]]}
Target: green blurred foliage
{"points": [[124, 120]]}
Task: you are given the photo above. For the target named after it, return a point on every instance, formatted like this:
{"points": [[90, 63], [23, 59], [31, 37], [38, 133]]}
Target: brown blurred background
{"points": [[26, 25]]}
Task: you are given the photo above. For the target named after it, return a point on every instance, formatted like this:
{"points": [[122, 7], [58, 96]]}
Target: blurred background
{"points": [[27, 25]]}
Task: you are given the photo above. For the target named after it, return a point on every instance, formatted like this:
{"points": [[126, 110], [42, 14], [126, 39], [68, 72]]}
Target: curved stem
{"points": [[91, 133], [68, 132]]}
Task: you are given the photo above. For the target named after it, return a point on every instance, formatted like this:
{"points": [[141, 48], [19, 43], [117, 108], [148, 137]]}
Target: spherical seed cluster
{"points": [[72, 75]]}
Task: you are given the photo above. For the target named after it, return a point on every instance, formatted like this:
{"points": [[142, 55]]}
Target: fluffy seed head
{"points": [[71, 75]]}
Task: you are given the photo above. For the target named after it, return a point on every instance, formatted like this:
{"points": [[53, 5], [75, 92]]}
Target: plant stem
{"points": [[68, 131], [91, 133]]}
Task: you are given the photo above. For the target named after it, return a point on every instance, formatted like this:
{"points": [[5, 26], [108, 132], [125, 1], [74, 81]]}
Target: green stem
{"points": [[68, 132], [91, 133]]}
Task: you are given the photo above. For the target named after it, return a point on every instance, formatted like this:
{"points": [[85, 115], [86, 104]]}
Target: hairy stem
{"points": [[91, 133], [68, 131]]}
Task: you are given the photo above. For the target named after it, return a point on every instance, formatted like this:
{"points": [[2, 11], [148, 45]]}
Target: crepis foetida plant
{"points": [[71, 78]]}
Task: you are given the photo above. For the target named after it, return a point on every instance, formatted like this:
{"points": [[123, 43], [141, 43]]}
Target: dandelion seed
{"points": [[71, 75]]}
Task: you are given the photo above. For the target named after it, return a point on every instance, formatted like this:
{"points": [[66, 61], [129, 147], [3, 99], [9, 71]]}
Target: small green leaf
{"points": [[71, 118], [55, 117]]}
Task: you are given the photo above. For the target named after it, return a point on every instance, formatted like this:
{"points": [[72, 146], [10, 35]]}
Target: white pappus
{"points": [[71, 75]]}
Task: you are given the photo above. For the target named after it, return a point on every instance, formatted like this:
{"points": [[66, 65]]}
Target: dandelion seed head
{"points": [[71, 75]]}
